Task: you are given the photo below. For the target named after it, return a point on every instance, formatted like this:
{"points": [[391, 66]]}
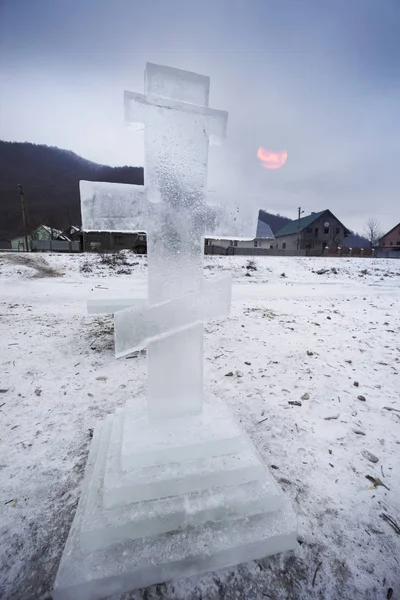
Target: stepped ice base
{"points": [[101, 527], [161, 481], [142, 562]]}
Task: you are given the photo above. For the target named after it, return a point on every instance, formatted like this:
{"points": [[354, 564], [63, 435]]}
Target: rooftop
{"points": [[299, 224]]}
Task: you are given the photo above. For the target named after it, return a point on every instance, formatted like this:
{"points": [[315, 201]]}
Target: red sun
{"points": [[270, 159]]}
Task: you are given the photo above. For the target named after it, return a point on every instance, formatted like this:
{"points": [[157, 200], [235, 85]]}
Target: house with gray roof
{"points": [[312, 233]]}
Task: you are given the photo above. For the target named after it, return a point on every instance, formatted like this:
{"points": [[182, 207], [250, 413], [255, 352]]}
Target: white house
{"points": [[41, 233]]}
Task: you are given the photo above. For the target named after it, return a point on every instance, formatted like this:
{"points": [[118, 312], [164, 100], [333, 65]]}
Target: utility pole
{"points": [[300, 212], [24, 215]]}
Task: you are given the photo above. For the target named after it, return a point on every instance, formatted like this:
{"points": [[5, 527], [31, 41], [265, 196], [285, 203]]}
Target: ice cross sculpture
{"points": [[176, 214]]}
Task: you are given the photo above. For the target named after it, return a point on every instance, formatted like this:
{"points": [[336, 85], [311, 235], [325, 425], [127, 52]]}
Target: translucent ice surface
{"points": [[183, 86], [137, 326], [178, 124], [176, 212], [104, 306], [102, 528], [102, 566], [146, 443], [112, 206], [171, 479], [173, 488]]}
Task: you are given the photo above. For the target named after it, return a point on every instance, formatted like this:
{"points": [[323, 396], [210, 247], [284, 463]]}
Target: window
{"points": [[326, 230], [337, 230], [284, 246], [391, 243], [316, 232], [235, 242], [231, 242], [398, 243], [255, 244]]}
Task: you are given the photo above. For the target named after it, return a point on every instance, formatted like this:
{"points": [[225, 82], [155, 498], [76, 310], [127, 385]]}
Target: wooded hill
{"points": [[50, 178]]}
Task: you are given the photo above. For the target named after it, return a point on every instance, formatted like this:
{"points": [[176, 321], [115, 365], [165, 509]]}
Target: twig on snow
{"points": [[316, 571], [391, 408], [262, 421], [391, 522], [91, 344]]}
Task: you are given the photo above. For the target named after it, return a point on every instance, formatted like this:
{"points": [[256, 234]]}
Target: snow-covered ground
{"points": [[308, 363]]}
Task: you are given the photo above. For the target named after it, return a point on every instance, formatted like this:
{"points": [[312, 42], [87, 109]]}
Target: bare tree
{"points": [[373, 231]]}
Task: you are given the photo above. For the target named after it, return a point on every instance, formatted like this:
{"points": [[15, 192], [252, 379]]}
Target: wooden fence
{"points": [[237, 251]]}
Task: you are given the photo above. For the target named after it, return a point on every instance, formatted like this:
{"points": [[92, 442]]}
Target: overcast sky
{"points": [[319, 78]]}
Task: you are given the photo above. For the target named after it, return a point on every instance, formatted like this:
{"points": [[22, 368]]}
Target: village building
{"points": [[391, 240], [313, 233]]}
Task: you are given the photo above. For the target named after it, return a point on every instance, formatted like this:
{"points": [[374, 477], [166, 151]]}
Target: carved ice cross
{"points": [[174, 211]]}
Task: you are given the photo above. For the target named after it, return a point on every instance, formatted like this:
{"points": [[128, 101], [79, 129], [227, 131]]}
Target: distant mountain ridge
{"points": [[50, 177]]}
